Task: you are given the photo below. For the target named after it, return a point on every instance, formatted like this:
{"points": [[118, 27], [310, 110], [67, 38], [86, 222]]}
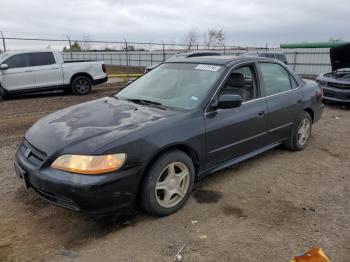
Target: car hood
{"points": [[340, 57], [85, 121]]}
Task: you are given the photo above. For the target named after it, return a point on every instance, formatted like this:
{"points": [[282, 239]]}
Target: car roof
{"points": [[14, 52], [275, 53], [263, 52], [218, 60], [198, 53]]}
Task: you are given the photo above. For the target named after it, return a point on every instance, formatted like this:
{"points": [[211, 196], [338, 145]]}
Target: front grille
{"points": [[58, 200], [338, 85], [32, 154], [335, 94]]}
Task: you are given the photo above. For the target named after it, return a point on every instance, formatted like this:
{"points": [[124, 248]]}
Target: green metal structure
{"points": [[314, 45]]}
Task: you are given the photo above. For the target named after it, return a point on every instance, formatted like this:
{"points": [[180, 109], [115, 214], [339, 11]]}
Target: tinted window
{"points": [[276, 78], [241, 82], [18, 61], [281, 57], [294, 82], [44, 58], [204, 54], [267, 55]]}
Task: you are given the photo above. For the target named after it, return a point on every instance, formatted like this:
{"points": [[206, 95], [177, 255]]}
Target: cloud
{"points": [[244, 22]]}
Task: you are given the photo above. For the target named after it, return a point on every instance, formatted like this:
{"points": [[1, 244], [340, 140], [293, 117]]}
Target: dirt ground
{"points": [[125, 69], [266, 209]]}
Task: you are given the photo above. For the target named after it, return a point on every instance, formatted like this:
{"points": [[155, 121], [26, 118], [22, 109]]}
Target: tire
{"points": [[3, 95], [81, 85], [300, 138], [163, 191]]}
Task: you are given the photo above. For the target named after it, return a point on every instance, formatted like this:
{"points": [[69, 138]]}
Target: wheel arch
{"points": [[181, 147], [311, 113], [81, 74]]}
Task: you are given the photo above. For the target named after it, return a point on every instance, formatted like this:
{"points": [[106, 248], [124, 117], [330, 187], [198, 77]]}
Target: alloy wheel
{"points": [[304, 131], [172, 184], [82, 86]]}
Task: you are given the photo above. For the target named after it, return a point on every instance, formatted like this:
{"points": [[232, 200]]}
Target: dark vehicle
{"points": [[336, 84], [274, 55], [186, 55], [149, 143]]}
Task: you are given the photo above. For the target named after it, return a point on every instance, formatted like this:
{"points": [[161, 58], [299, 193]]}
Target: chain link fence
{"points": [[306, 62]]}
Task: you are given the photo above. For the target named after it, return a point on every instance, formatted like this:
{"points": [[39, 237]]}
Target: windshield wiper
{"points": [[147, 102]]}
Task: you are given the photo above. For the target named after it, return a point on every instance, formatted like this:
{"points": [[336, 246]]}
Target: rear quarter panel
{"points": [[312, 97], [94, 69]]}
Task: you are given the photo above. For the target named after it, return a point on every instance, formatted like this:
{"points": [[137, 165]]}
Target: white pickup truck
{"points": [[37, 71]]}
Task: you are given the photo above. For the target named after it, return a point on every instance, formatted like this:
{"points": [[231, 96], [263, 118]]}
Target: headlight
{"points": [[89, 165]]}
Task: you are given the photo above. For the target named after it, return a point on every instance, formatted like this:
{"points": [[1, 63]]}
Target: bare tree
{"points": [[85, 44], [214, 38], [191, 38]]}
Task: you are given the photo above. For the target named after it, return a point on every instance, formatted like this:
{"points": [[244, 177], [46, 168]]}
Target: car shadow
{"points": [[37, 95]]}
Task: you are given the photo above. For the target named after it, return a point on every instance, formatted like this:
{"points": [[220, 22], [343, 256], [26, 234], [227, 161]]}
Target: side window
{"points": [[242, 81], [41, 59], [276, 78], [281, 57], [18, 61], [294, 82], [268, 55]]}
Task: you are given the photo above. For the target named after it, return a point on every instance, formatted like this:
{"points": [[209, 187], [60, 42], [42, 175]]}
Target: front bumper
{"points": [[336, 95], [91, 194]]}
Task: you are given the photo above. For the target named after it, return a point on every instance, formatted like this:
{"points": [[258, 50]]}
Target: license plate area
{"points": [[21, 175]]}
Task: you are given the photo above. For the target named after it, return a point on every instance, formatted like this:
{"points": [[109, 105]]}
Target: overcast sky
{"points": [[244, 22]]}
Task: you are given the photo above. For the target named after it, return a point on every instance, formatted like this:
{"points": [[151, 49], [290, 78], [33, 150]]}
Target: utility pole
{"points": [[126, 52], [3, 41]]}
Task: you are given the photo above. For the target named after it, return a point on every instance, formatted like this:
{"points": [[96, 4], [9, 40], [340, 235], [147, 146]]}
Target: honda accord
{"points": [[148, 144]]}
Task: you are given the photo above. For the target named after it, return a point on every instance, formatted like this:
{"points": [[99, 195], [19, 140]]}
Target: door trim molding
{"points": [[239, 159], [236, 143]]}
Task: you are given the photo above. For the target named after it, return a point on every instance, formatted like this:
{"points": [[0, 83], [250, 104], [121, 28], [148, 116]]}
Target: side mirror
{"points": [[4, 67], [229, 101]]}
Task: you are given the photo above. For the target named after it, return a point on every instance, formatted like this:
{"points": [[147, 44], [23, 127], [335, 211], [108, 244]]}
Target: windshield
{"points": [[177, 85]]}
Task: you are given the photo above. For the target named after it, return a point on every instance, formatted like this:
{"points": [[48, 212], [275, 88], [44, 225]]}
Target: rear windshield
{"points": [[177, 85]]}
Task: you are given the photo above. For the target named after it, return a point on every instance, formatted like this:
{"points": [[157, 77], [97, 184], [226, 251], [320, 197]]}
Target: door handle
{"points": [[28, 71], [261, 113]]}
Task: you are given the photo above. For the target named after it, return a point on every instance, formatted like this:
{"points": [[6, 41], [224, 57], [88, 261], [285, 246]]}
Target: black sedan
{"points": [[149, 143]]}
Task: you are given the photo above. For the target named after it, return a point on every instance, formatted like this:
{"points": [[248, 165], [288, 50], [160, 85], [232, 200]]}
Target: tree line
{"points": [[210, 38]]}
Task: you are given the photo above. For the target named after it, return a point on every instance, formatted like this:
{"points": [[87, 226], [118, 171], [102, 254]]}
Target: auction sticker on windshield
{"points": [[213, 68]]}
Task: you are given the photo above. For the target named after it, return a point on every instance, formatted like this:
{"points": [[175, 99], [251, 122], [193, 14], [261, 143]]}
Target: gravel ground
{"points": [[266, 209]]}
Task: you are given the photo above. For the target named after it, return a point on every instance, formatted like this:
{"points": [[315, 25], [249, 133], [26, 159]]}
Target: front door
{"points": [[19, 74], [231, 133]]}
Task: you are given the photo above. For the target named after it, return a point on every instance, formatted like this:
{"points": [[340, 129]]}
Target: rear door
{"points": [[284, 99], [231, 133], [47, 72], [19, 74]]}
